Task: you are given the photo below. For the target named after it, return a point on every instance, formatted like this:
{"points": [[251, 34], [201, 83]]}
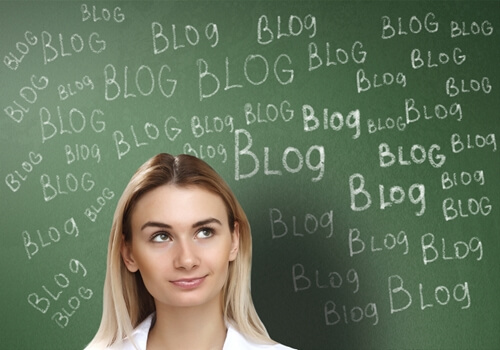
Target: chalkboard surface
{"points": [[360, 137]]}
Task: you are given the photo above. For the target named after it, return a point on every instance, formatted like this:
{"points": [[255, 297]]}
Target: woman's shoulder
{"points": [[139, 337], [236, 341]]}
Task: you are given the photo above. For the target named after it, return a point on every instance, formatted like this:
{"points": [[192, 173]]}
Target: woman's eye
{"points": [[205, 233], [161, 237]]}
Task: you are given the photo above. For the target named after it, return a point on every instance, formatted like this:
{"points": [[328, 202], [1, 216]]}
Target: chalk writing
{"points": [[457, 29], [433, 61], [207, 152], [404, 26], [355, 314], [29, 95], [310, 225], [464, 178], [339, 56], [149, 132], [13, 180], [397, 195], [455, 88], [460, 143], [389, 123], [358, 245], [145, 82], [331, 279], [74, 121], [53, 50], [211, 125], [82, 152], [44, 239], [334, 121], [92, 211], [454, 208], [191, 37], [65, 184], [414, 114], [460, 249], [257, 114], [23, 47], [43, 301], [70, 89], [255, 71], [365, 83], [97, 14], [267, 32], [417, 155], [292, 159], [401, 298]]}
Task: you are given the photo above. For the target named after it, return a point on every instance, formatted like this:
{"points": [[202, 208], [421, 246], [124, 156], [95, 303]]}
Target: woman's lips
{"points": [[188, 283]]}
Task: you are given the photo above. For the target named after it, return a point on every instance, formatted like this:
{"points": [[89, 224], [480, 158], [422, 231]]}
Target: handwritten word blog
{"points": [[71, 89], [401, 297], [335, 120], [313, 118], [268, 112], [60, 285], [82, 152], [54, 49], [361, 199], [15, 179], [296, 226], [143, 82], [359, 243], [415, 112], [432, 248], [69, 122], [416, 155], [150, 132], [97, 14], [190, 36], [392, 27], [304, 279], [256, 71], [464, 178], [269, 30], [335, 55], [53, 186], [92, 211], [48, 237], [292, 159], [29, 95]]}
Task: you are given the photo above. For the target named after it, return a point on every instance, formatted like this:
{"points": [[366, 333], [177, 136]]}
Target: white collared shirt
{"points": [[234, 340]]}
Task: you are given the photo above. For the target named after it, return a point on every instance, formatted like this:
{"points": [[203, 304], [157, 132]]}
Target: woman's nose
{"points": [[186, 257]]}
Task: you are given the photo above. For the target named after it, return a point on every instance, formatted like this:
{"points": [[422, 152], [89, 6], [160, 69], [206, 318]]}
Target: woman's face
{"points": [[182, 245]]}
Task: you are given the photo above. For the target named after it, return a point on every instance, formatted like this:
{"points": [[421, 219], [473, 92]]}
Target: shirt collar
{"points": [[234, 339]]}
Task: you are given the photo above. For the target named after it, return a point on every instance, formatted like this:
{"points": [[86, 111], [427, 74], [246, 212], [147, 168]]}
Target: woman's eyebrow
{"points": [[167, 226], [155, 224], [207, 221]]}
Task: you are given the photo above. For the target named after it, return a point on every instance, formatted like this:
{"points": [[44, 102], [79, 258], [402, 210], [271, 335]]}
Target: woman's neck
{"points": [[200, 328]]}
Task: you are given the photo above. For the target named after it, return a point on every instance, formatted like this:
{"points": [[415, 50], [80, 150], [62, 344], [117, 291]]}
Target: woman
{"points": [[179, 262]]}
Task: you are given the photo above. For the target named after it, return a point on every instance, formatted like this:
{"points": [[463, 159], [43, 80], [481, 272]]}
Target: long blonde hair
{"points": [[126, 301]]}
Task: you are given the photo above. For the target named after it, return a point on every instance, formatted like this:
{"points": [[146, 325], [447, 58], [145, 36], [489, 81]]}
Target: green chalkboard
{"points": [[359, 136]]}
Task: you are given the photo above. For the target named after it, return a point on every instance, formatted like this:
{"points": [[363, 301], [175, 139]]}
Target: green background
{"points": [[34, 264]]}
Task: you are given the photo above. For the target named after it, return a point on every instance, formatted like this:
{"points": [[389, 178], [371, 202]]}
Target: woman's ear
{"points": [[128, 257], [235, 242]]}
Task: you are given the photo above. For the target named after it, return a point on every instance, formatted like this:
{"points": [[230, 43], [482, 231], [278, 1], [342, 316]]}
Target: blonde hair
{"points": [[126, 301]]}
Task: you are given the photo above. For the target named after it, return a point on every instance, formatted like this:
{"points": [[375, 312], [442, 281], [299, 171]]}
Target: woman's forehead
{"points": [[179, 205]]}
